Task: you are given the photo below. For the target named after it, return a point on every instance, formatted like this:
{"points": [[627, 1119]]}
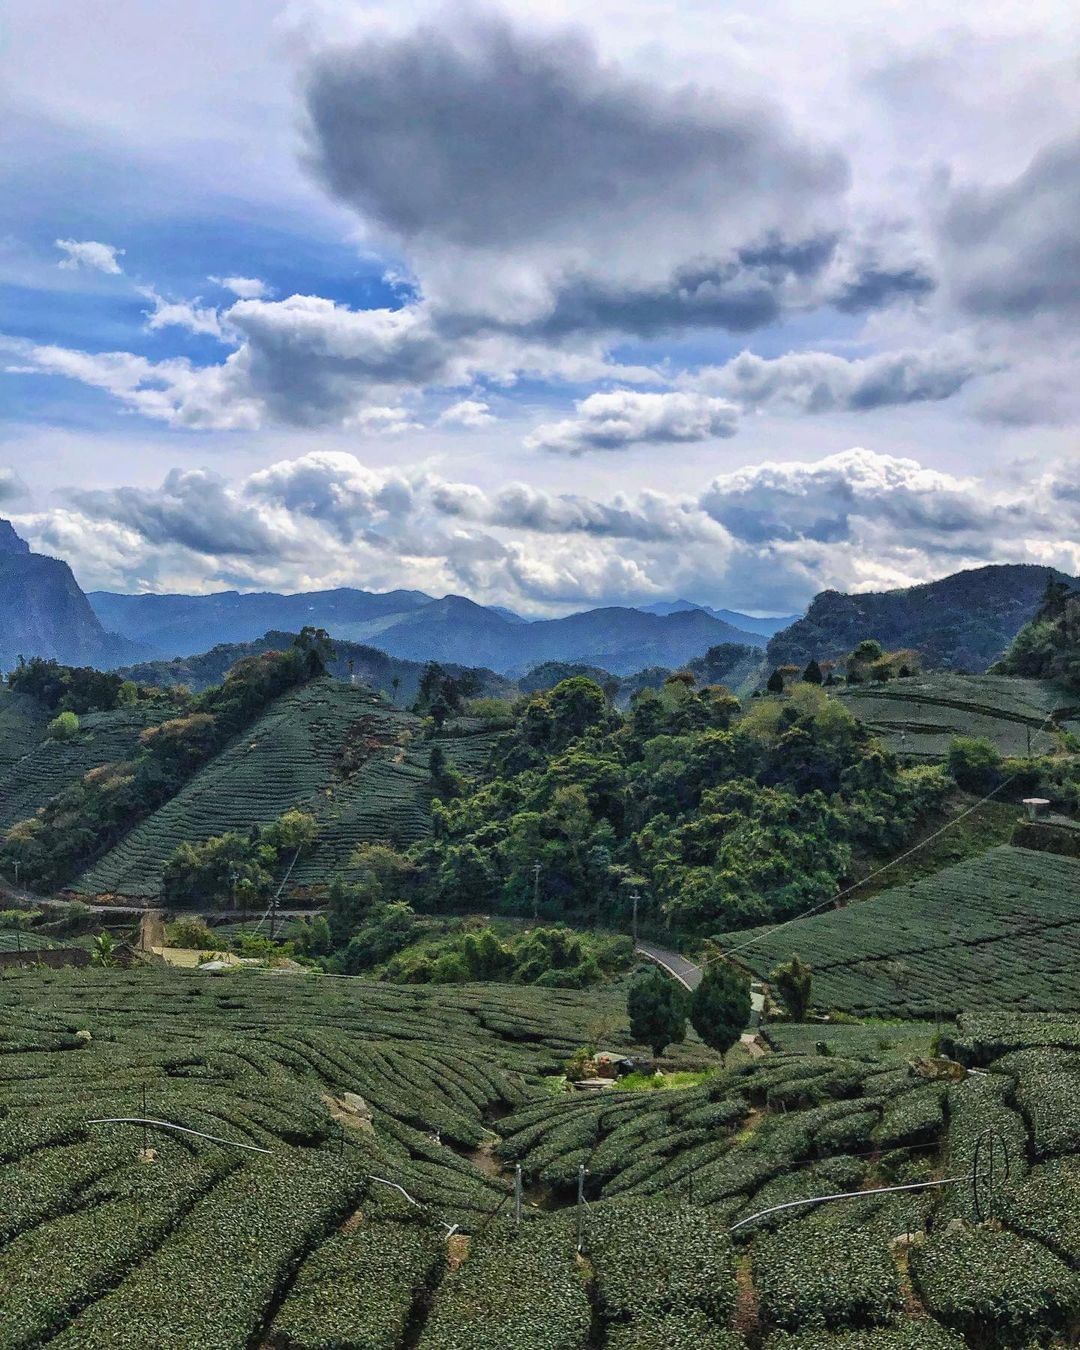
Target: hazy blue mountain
{"points": [[43, 611], [962, 622], [746, 623], [415, 627], [178, 625]]}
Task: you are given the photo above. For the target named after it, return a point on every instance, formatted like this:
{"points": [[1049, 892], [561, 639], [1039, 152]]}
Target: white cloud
{"points": [[187, 314], [244, 288], [469, 412], [88, 253], [625, 417], [765, 538], [820, 382]]}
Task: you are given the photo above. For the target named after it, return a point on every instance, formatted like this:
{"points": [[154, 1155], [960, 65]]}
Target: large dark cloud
{"points": [[1014, 249], [495, 136]]}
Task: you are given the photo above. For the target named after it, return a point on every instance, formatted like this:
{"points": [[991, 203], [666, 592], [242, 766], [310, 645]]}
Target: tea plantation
{"points": [[112, 1236], [998, 931], [340, 752], [918, 717]]}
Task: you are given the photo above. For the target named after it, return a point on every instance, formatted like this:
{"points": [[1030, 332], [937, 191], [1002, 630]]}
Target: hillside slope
{"points": [[962, 622], [1001, 931], [394, 677], [49, 766], [337, 751], [919, 717]]}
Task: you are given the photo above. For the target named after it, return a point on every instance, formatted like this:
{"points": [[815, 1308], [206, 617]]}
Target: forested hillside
{"points": [[962, 622], [1049, 646]]}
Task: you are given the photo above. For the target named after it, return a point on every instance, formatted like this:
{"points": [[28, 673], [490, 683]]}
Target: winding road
{"points": [[689, 976]]}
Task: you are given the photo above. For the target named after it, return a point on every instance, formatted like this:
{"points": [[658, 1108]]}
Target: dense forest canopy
{"points": [[717, 817]]}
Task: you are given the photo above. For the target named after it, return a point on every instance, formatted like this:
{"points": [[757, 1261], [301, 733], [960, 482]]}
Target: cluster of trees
{"points": [[1049, 646], [362, 931], [234, 869], [441, 695], [75, 689], [90, 816], [867, 661], [723, 818], [718, 1009]]}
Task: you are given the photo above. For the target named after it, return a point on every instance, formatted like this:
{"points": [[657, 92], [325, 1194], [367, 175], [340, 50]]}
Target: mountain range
{"points": [[416, 627], [960, 622]]}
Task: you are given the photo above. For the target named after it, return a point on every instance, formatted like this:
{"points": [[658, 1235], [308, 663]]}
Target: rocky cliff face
{"points": [[43, 611]]}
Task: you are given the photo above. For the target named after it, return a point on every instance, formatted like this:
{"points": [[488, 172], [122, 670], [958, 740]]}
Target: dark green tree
{"points": [[656, 1006], [793, 982], [720, 1006], [316, 649], [812, 673], [775, 684]]}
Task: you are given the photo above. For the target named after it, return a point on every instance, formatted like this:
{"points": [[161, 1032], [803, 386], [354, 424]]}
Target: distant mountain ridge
{"points": [[961, 622], [43, 611], [415, 627], [746, 623]]}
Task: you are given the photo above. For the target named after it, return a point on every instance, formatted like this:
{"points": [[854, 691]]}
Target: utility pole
{"points": [[634, 899], [17, 861], [517, 1196], [536, 891]]}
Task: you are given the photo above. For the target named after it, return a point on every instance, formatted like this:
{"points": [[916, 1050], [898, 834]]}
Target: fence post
{"points": [[517, 1196]]}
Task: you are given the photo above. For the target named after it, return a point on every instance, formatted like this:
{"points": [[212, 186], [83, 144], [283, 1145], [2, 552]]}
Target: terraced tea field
{"points": [[998, 931], [22, 726], [50, 765], [918, 717], [112, 1236], [353, 760]]}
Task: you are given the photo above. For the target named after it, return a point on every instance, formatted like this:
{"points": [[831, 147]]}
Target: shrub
{"points": [[976, 1278], [974, 762], [191, 932], [64, 727]]}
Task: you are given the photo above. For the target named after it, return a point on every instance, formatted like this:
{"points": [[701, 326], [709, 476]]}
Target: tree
{"points": [[64, 727], [317, 650], [792, 982], [974, 762], [720, 1006], [656, 1007], [812, 673], [775, 683]]}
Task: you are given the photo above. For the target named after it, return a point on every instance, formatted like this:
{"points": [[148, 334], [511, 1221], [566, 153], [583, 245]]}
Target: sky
{"points": [[549, 304]]}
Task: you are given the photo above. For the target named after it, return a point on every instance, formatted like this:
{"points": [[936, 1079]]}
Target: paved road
{"points": [[689, 976]]}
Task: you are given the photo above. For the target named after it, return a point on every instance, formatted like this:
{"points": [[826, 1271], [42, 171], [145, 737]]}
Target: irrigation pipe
{"points": [[168, 1125], [451, 1228], [846, 1195]]}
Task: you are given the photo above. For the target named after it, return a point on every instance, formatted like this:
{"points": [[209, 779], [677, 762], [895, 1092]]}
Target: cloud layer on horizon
{"points": [[854, 520]]}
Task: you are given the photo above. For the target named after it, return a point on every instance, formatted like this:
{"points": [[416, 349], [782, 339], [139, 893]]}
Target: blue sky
{"points": [[551, 305]]}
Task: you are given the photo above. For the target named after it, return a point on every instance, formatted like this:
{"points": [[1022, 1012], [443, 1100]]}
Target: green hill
{"points": [[918, 717], [48, 766], [340, 752], [392, 676], [1001, 931], [962, 622]]}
